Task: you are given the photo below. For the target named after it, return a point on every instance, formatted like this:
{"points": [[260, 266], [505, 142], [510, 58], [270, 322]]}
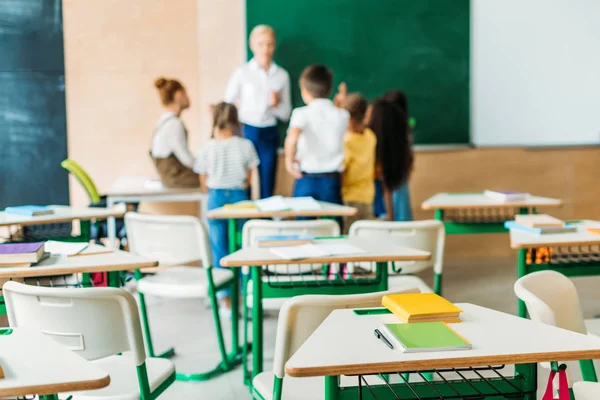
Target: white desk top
{"points": [[61, 214], [327, 210], [35, 364], [345, 344], [479, 200], [376, 251], [135, 186], [524, 240], [60, 265]]}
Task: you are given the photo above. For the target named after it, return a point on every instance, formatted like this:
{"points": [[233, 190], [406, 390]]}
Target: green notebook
{"points": [[423, 336]]}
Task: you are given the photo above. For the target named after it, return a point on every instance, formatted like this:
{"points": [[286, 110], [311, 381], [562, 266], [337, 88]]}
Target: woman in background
{"points": [[401, 196], [169, 150], [394, 156]]}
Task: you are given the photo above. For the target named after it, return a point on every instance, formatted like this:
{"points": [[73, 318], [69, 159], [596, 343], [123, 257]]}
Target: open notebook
{"points": [[314, 250], [280, 203]]}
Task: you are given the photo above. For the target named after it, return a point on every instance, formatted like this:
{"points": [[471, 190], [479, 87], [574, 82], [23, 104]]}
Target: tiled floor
{"points": [[188, 325]]}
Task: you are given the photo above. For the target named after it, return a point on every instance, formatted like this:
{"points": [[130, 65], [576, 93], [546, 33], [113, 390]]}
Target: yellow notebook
{"points": [[421, 307]]}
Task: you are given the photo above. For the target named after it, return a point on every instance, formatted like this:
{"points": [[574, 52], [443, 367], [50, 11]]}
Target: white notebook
{"points": [[302, 203], [280, 203], [65, 248], [311, 250], [272, 204]]}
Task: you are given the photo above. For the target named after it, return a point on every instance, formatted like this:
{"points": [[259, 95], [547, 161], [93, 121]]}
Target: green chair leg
{"points": [[437, 284], [228, 361], [146, 326]]}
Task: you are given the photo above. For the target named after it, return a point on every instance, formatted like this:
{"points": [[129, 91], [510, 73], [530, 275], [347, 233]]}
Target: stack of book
{"points": [[425, 328], [506, 195], [539, 224], [283, 240], [29, 211], [22, 254], [421, 307]]}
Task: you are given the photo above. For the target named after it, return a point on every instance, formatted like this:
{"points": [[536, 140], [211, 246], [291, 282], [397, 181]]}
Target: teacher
{"points": [[261, 89]]}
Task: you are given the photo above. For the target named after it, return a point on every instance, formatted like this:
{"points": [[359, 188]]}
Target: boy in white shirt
{"points": [[314, 146], [261, 89]]}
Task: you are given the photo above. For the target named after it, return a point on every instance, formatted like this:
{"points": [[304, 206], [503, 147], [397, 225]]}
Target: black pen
{"points": [[379, 335]]}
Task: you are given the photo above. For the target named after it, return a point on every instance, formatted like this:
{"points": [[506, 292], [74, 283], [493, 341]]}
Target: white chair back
{"points": [[551, 298], [170, 239], [301, 315], [586, 390], [422, 235], [258, 227], [93, 322]]}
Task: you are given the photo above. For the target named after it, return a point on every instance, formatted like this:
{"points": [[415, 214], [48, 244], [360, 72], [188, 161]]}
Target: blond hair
{"points": [[225, 116], [261, 30]]}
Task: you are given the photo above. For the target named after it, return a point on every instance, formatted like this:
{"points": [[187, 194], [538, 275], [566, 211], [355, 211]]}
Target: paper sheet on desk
{"points": [[312, 250], [272, 204], [65, 248], [302, 203], [280, 203]]}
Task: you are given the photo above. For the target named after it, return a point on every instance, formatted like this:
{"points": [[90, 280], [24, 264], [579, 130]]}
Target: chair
{"points": [[255, 228], [98, 324], [586, 390], [422, 235], [551, 298], [174, 241], [298, 319], [99, 230]]}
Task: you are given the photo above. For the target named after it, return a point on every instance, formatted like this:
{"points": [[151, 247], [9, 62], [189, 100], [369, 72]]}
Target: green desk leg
{"points": [[235, 290], [332, 388], [257, 322], [529, 374], [439, 214], [49, 397], [588, 371], [521, 272], [114, 279]]}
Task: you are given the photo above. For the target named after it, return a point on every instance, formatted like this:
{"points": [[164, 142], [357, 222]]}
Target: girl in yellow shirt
{"points": [[358, 188]]}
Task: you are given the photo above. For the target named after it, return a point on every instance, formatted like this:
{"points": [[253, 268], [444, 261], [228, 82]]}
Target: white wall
{"points": [[535, 72]]}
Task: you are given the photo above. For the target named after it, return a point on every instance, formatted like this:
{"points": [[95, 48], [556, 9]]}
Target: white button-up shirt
{"points": [[321, 144], [250, 86]]}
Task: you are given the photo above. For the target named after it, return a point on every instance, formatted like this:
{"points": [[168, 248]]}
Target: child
{"points": [[314, 151], [401, 196], [169, 149], [225, 164], [358, 188], [394, 149]]}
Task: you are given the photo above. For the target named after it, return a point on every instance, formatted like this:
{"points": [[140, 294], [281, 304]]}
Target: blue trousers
{"points": [[400, 198], [218, 231], [266, 142], [320, 187]]}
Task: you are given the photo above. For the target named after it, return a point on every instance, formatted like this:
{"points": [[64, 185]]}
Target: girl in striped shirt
{"points": [[227, 164]]}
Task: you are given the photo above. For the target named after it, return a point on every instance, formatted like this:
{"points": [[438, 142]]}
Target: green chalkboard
{"points": [[418, 46]]}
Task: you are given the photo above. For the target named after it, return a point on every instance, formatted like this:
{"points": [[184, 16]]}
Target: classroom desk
{"points": [[327, 210], [63, 214], [474, 213], [135, 190], [112, 263], [36, 364], [497, 339], [572, 254], [380, 252]]}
